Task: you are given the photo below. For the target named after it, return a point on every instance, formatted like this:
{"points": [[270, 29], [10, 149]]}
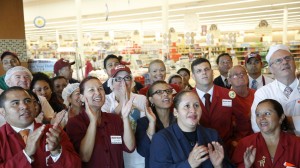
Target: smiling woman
{"points": [[92, 129], [271, 147]]}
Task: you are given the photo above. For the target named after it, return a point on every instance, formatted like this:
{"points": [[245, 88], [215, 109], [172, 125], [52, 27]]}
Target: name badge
{"points": [[115, 139], [226, 102]]}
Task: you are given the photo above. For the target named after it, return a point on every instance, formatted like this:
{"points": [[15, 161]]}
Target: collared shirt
{"points": [[31, 128], [260, 81], [292, 85], [223, 79], [201, 94]]}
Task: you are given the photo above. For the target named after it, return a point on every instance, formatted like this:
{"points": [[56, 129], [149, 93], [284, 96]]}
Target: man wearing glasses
{"points": [[216, 103], [285, 88], [121, 84], [254, 65]]}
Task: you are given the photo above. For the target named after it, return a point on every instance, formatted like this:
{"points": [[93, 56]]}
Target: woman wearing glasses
{"points": [[186, 143], [158, 117], [121, 84]]}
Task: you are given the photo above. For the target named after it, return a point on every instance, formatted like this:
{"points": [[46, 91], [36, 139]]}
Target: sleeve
{"points": [[142, 140], [68, 157], [46, 108], [143, 91], [76, 132], [18, 160], [161, 154], [238, 155], [258, 97]]}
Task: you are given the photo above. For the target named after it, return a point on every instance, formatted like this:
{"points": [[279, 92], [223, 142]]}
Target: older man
{"points": [[242, 98], [254, 65], [285, 88], [9, 60], [24, 143], [21, 76]]}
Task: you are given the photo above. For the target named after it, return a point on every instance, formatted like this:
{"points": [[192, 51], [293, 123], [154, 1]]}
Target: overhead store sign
{"points": [[42, 65]]}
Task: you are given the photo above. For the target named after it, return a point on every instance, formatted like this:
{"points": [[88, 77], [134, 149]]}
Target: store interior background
{"points": [[143, 30]]}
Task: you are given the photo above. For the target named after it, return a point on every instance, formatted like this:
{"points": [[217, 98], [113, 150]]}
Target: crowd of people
{"points": [[241, 118]]}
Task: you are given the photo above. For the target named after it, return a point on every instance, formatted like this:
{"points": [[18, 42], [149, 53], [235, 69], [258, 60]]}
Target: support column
{"points": [[12, 29], [79, 47]]}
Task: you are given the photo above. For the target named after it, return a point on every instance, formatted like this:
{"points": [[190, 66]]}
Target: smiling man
{"points": [[40, 146], [284, 89]]}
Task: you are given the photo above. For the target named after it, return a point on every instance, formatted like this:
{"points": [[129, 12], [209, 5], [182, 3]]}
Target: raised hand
{"points": [[93, 115], [33, 141], [127, 107], [198, 155], [216, 153], [249, 156], [150, 115], [53, 139]]}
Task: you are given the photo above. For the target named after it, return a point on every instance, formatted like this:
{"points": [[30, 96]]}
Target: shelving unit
{"points": [[295, 50]]}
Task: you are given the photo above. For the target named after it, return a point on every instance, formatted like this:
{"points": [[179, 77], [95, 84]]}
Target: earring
{"points": [[82, 103], [152, 104]]}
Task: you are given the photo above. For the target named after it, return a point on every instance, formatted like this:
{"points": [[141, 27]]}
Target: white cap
{"points": [[68, 90], [15, 69], [275, 48]]}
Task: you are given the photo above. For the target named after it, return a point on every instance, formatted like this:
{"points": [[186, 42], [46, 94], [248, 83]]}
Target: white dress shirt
{"points": [[274, 90]]}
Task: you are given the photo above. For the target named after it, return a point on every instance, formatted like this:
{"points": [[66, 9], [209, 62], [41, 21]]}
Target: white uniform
{"points": [[260, 81], [291, 105]]}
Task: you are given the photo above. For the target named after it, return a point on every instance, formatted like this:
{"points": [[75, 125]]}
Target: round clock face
{"points": [[39, 21]]}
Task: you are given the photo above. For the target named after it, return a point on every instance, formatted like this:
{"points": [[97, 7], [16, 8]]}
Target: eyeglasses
{"points": [[240, 75], [256, 62], [280, 60], [161, 92], [125, 78]]}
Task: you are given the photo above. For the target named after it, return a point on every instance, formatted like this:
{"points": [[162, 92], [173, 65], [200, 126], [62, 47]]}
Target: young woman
{"points": [[271, 147], [158, 117], [186, 143], [42, 86], [100, 138]]}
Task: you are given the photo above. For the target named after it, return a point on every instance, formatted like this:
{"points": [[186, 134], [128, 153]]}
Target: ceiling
{"points": [[125, 16]]}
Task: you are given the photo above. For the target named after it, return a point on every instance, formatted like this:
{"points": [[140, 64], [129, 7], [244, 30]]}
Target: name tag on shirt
{"points": [[226, 102], [115, 139]]}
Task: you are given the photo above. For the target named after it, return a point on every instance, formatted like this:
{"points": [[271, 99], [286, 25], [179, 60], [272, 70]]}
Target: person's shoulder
{"points": [[72, 80], [268, 88], [218, 78], [221, 91], [111, 117]]}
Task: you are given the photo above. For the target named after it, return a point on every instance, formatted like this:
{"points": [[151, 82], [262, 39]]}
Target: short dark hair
{"points": [[184, 69], [5, 53], [58, 77], [111, 56], [3, 95], [82, 83], [222, 55], [277, 107], [199, 61]]}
